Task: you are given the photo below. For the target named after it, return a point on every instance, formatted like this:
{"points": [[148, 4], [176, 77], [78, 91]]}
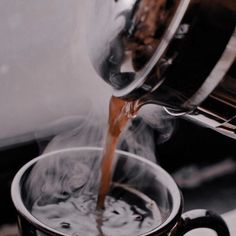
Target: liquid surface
{"points": [[127, 212]]}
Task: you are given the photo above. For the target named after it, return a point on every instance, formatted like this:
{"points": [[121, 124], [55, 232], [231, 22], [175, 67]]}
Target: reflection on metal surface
{"points": [[179, 54], [217, 74], [219, 109]]}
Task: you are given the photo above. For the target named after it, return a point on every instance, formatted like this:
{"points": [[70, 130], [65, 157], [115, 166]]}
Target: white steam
{"points": [[62, 181], [140, 137], [157, 118], [151, 127]]}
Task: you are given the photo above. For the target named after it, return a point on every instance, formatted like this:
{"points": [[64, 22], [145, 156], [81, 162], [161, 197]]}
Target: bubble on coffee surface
{"points": [[127, 212]]}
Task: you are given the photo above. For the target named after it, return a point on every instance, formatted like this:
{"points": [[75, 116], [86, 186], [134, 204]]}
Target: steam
{"points": [[56, 179], [156, 117], [143, 133], [141, 136], [89, 132], [152, 127], [66, 184]]}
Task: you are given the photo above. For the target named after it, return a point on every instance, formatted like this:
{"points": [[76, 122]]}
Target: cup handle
{"points": [[201, 219]]}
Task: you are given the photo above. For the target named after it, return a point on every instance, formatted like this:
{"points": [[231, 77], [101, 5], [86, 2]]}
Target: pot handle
{"points": [[201, 219]]}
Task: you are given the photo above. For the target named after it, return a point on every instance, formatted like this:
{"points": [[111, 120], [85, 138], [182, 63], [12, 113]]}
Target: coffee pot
{"points": [[179, 54]]}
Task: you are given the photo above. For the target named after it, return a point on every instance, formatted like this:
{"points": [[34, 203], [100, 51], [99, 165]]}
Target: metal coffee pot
{"points": [[179, 54]]}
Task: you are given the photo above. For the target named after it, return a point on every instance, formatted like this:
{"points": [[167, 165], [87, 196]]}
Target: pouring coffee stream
{"points": [[119, 114], [179, 54]]}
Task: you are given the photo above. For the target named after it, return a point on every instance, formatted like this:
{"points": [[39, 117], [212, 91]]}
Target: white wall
{"points": [[45, 75]]}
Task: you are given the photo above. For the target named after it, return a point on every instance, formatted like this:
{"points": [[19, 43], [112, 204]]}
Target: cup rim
{"points": [[22, 210]]}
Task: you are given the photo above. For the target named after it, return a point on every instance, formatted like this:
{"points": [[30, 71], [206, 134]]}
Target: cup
{"points": [[60, 177]]}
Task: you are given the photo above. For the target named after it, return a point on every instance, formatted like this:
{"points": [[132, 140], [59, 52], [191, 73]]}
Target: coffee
{"points": [[127, 212], [119, 114]]}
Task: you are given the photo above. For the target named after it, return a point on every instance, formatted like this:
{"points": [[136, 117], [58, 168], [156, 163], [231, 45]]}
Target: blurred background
{"points": [[49, 88]]}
